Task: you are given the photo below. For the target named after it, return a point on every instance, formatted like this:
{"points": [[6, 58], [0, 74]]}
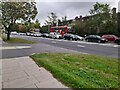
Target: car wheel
{"points": [[99, 41], [118, 43], [87, 40], [71, 38]]}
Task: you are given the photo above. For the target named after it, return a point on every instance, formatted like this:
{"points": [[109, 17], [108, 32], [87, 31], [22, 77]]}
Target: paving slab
{"points": [[52, 83], [23, 72]]}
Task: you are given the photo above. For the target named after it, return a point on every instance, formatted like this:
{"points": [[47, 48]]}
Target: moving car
{"points": [[117, 41], [95, 38], [110, 37], [69, 37]]}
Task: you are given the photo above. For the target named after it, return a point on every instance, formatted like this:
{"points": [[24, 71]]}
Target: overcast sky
{"points": [[68, 8]]}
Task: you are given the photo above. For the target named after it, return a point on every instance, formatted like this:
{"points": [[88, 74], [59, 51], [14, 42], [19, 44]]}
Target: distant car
{"points": [[117, 41], [22, 33], [79, 38], [37, 34], [14, 33], [110, 37], [95, 38], [45, 35], [69, 37], [55, 35], [29, 34]]}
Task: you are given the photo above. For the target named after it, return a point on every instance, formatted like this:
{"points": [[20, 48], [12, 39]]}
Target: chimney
{"points": [[114, 12]]}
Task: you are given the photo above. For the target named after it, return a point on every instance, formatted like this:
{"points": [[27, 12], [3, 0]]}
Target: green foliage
{"points": [[100, 8], [37, 24], [100, 22], [44, 29], [52, 19], [64, 20], [12, 11], [102, 19], [15, 27], [80, 70]]}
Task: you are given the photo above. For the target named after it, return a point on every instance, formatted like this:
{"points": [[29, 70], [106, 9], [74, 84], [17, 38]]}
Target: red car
{"points": [[110, 37]]}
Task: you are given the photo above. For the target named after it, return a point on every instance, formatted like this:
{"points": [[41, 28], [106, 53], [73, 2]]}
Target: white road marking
{"points": [[53, 42], [109, 45], [14, 47], [80, 46]]}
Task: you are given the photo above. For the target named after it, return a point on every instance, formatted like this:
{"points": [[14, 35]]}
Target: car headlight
{"points": [[103, 39]]}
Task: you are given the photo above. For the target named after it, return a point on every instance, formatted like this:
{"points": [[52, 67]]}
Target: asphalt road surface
{"points": [[54, 45]]}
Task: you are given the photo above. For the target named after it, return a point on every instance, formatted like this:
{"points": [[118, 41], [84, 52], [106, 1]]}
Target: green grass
{"points": [[17, 40], [80, 70]]}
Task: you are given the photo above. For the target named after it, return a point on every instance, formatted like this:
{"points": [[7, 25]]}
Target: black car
{"points": [[117, 41], [69, 37], [95, 38]]}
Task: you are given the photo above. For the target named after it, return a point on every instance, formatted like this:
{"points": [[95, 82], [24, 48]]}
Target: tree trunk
{"points": [[8, 34]]}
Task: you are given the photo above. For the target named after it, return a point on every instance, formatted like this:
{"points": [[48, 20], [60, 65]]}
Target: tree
{"points": [[100, 16], [37, 24], [59, 22], [52, 19], [64, 20], [118, 25], [21, 28], [12, 11]]}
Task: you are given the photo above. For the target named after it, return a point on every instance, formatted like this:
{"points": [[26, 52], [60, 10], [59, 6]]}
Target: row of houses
{"points": [[86, 18]]}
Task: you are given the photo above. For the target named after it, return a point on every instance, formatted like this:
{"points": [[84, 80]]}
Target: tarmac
{"points": [[23, 73]]}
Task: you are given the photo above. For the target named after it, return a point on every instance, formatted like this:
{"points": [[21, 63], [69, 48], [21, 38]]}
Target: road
{"points": [[51, 45]]}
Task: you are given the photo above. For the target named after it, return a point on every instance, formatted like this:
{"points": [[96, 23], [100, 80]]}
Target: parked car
{"points": [[14, 33], [22, 33], [55, 35], [95, 38], [79, 38], [110, 37], [29, 34], [45, 35], [117, 41], [69, 37], [37, 34]]}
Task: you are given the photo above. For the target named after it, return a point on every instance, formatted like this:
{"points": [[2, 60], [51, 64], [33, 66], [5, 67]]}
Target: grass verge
{"points": [[80, 70], [17, 40]]}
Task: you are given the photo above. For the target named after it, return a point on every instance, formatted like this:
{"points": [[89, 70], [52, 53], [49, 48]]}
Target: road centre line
{"points": [[80, 46]]}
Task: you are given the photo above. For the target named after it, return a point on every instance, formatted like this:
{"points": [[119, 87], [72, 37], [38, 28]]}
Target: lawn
{"points": [[80, 70], [17, 40]]}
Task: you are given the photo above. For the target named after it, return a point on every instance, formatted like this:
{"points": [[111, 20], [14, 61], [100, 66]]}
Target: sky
{"points": [[69, 8]]}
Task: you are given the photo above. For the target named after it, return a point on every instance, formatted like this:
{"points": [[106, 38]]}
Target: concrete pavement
{"points": [[23, 72]]}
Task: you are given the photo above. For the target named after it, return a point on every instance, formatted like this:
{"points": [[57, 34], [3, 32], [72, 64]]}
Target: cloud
{"points": [[69, 9]]}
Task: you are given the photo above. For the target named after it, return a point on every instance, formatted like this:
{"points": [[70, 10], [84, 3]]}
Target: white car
{"points": [[55, 35], [29, 34], [58, 36], [79, 38], [22, 33], [37, 34], [14, 33]]}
